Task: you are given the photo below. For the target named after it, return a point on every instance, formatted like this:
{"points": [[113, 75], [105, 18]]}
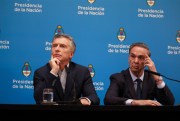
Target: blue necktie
{"points": [[138, 90]]}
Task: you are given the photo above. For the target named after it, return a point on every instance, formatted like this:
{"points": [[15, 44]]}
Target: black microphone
{"points": [[74, 100], [74, 85], [152, 72], [156, 73], [54, 81]]}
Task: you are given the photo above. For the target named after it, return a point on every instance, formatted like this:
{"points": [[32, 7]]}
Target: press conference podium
{"points": [[96, 113]]}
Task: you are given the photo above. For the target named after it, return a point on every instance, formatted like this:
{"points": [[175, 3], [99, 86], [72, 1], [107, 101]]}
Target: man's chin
{"points": [[135, 69], [57, 57]]}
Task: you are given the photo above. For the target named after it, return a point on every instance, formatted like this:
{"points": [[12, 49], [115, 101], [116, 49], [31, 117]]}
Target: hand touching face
{"points": [[149, 63], [55, 65]]}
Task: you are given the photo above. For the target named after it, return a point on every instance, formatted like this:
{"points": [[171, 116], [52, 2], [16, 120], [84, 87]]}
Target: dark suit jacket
{"points": [[122, 88], [76, 74]]}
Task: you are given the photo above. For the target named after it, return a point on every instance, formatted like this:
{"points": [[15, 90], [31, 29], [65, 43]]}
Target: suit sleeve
{"points": [[114, 94], [89, 90], [165, 96], [41, 80]]}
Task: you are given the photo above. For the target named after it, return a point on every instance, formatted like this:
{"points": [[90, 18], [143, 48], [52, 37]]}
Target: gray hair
{"points": [[140, 44]]}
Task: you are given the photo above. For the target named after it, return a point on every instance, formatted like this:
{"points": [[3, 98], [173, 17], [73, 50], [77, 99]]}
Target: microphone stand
{"points": [[155, 73], [74, 101]]}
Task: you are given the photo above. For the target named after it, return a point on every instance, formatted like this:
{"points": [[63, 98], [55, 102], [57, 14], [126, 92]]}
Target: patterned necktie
{"points": [[138, 90]]}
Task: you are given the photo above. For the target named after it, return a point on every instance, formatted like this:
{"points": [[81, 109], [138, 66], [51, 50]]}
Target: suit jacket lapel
{"points": [[69, 84], [145, 86], [59, 89], [57, 86], [131, 90]]}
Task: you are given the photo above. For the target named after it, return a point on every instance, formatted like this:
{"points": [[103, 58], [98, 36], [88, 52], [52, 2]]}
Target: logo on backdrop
{"points": [[150, 2], [26, 69], [90, 10], [178, 36], [91, 1], [91, 70], [98, 85], [119, 48], [59, 30], [121, 34], [174, 50], [150, 12]]}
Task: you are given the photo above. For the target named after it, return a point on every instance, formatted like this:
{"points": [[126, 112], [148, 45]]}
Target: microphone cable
{"points": [[155, 73]]}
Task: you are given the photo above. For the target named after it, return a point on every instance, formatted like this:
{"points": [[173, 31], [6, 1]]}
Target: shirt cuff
{"points": [[162, 85], [128, 102], [53, 74]]}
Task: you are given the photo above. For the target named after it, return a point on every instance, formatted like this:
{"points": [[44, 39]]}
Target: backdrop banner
{"points": [[103, 31]]}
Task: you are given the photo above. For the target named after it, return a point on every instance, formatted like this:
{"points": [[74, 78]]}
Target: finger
{"points": [[146, 61], [146, 56], [155, 103], [56, 61], [51, 57]]}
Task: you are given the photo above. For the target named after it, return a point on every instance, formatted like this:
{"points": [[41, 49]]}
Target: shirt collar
{"points": [[63, 71], [134, 77], [68, 65]]}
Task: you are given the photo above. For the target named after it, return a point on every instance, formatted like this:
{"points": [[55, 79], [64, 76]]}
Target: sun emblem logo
{"points": [[178, 36], [26, 69], [91, 1], [150, 2], [121, 34], [59, 30]]}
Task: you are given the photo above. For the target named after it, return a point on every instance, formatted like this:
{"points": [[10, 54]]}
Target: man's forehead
{"points": [[137, 49], [60, 40], [138, 53]]}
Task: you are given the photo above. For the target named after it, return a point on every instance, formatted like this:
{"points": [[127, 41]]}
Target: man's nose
{"points": [[57, 47], [136, 59]]}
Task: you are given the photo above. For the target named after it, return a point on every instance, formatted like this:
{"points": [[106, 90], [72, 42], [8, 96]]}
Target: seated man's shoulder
{"points": [[78, 66], [43, 68]]}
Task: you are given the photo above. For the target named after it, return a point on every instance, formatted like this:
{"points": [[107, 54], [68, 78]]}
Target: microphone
{"points": [[156, 73], [152, 72], [74, 100], [54, 81], [74, 85]]}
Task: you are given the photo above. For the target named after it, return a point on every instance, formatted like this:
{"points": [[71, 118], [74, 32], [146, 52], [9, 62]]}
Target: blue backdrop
{"points": [[103, 31]]}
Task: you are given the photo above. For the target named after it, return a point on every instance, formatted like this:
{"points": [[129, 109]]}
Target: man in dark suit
{"points": [[69, 81], [134, 86]]}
